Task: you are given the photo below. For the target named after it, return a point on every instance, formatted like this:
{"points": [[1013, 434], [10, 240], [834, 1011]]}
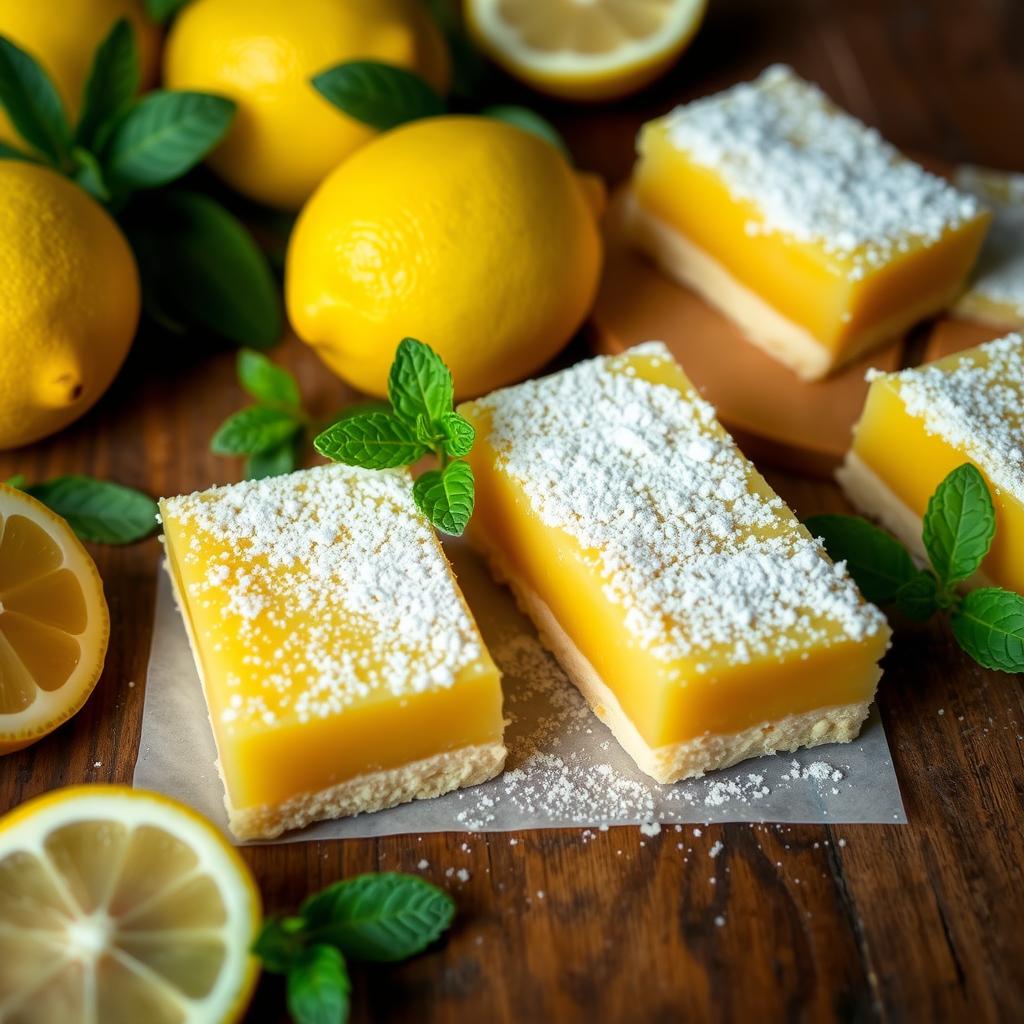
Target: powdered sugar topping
{"points": [[816, 174]]}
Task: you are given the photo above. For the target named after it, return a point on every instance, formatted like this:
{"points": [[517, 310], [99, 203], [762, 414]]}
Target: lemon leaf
{"points": [[10, 153], [160, 10], [111, 86], [380, 95], [529, 121], [89, 174], [98, 510], [446, 497], [33, 103], [164, 135]]}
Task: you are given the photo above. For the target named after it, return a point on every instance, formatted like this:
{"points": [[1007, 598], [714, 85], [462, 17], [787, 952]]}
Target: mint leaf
{"points": [[279, 943], [97, 510], [111, 86], [267, 381], [373, 440], [33, 104], [918, 598], [200, 266], [445, 497], [878, 563], [459, 434], [380, 95], [379, 917], [164, 135], [17, 481], [273, 462], [989, 626], [318, 987], [528, 121], [959, 525], [254, 430], [10, 153], [419, 383], [89, 174], [160, 10]]}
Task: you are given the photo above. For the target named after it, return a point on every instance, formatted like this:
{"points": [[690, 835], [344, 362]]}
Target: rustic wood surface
{"points": [[923, 922]]}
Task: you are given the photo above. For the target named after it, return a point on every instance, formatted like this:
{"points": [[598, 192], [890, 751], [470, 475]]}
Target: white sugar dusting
{"points": [[704, 560], [334, 583], [816, 174], [975, 403]]}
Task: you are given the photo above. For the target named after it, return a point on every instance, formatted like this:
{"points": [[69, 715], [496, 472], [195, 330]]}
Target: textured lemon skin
{"points": [[63, 37], [286, 137], [69, 302], [466, 233]]}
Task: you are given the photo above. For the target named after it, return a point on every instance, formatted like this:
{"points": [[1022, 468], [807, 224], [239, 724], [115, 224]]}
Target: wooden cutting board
{"points": [[775, 417]]}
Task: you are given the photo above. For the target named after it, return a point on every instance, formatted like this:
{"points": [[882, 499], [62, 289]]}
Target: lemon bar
{"points": [[342, 670], [698, 617], [798, 221], [995, 294], [920, 424]]}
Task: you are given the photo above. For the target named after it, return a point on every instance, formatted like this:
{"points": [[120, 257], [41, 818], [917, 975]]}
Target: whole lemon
{"points": [[464, 232], [64, 40], [69, 302], [262, 53]]}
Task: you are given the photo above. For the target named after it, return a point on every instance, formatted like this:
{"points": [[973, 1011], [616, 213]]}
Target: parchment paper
{"points": [[564, 768]]}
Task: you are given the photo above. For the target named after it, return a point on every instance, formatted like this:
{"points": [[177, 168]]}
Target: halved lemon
{"points": [[119, 906], [584, 49], [54, 624]]}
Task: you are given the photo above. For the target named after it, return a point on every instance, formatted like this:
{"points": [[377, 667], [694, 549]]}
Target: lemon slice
{"points": [[584, 49], [119, 906], [53, 621]]}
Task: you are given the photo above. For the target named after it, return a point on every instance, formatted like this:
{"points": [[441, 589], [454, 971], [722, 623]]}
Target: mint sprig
{"points": [[378, 918], [957, 531], [270, 432], [97, 510], [421, 421], [199, 265]]}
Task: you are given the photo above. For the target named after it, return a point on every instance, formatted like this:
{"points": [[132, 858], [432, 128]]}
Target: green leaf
{"points": [[467, 62], [959, 525], [33, 104], [918, 598], [273, 462], [989, 626], [267, 381], [200, 266], [254, 430], [279, 943], [459, 434], [160, 10], [111, 86], [318, 987], [378, 917], [164, 135], [380, 95], [879, 564], [17, 481], [373, 440], [97, 510], [529, 121], [419, 383], [89, 174], [10, 153], [445, 497]]}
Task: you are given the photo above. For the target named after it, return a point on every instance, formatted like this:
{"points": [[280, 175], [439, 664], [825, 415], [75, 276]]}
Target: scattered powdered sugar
{"points": [[999, 274], [975, 403], [686, 538], [716, 848], [816, 174], [334, 583]]}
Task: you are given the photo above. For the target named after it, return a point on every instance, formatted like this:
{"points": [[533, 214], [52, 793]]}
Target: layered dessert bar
{"points": [[342, 670], [920, 424], [798, 221], [697, 615], [995, 293]]}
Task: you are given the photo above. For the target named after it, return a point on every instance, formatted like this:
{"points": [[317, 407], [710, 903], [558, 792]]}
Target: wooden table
{"points": [[923, 922]]}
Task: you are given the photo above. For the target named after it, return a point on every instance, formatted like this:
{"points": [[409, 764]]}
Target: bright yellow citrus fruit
{"points": [[54, 624], [64, 37], [585, 49], [69, 302], [119, 906], [262, 53], [464, 232]]}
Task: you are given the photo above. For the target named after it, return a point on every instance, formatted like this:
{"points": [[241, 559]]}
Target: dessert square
{"points": [[342, 669]]}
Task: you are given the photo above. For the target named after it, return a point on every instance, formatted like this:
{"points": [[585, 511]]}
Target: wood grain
{"points": [[915, 923]]}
